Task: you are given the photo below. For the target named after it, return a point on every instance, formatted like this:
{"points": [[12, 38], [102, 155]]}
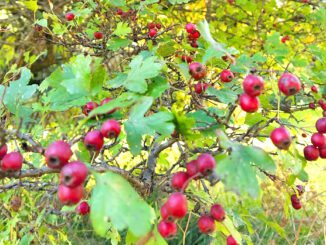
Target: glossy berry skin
{"points": [[206, 224], [289, 84], [98, 35], [70, 16], [194, 35], [200, 87], [165, 214], [73, 174], [231, 241], [70, 196], [318, 140], [206, 164], [192, 168], [167, 229], [158, 26], [226, 76], [105, 101], [12, 161], [111, 129], [217, 212], [83, 208], [197, 70], [281, 138], [311, 153], [295, 201], [179, 181], [151, 25], [321, 125], [253, 85], [58, 154], [190, 28], [3, 151], [152, 32], [177, 205], [249, 104], [94, 140], [314, 89], [89, 107], [322, 152]]}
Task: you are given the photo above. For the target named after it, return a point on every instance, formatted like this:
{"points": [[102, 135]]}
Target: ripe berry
{"points": [[151, 25], [83, 208], [322, 104], [194, 44], [152, 32], [89, 107], [321, 125], [12, 161], [314, 89], [186, 58], [200, 87], [165, 214], [281, 138], [38, 28], [197, 70], [94, 140], [167, 229], [194, 35], [285, 38], [70, 196], [318, 140], [158, 26], [70, 16], [58, 154], [248, 103], [226, 76], [289, 84], [312, 105], [253, 85], [206, 224], [206, 164], [179, 181], [98, 35], [111, 129], [3, 151], [192, 168], [311, 153], [217, 212], [295, 201], [190, 28], [119, 12], [73, 174], [105, 101], [177, 205], [322, 152], [231, 241]]}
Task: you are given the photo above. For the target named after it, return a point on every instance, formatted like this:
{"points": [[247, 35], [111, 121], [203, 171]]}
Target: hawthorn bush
{"points": [[162, 122]]}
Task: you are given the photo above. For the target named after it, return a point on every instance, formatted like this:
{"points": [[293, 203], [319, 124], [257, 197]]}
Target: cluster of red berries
{"points": [[92, 105], [295, 201], [318, 140], [176, 205], [10, 162], [193, 34], [153, 27], [285, 38], [128, 14], [253, 86], [198, 71]]}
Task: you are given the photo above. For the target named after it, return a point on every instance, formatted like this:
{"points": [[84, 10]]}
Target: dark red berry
{"points": [[314, 89], [295, 201], [311, 153], [83, 208], [179, 181], [253, 85], [321, 125], [3, 151], [322, 104], [231, 241], [322, 152], [206, 224], [194, 44], [217, 212], [94, 140], [73, 174], [89, 107], [120, 12], [318, 140], [285, 38], [70, 16], [200, 87], [177, 205], [192, 168], [312, 105], [70, 196], [167, 229], [98, 35], [197, 70], [289, 84], [206, 164], [58, 154], [12, 161], [249, 104], [165, 214], [281, 138], [226, 76], [151, 25], [158, 26], [194, 35], [111, 129], [152, 32]]}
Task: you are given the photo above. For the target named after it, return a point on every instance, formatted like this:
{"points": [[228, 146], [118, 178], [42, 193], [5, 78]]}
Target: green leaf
{"points": [[166, 49], [224, 95], [122, 29], [117, 3], [212, 53], [113, 199], [116, 43], [157, 87], [31, 4]]}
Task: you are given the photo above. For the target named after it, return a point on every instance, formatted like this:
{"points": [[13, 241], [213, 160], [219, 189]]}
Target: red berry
{"points": [[179, 181], [231, 241], [304, 135], [197, 70], [165, 214], [206, 164], [70, 196], [248, 103], [194, 35], [311, 153], [192, 168], [12, 161], [186, 58], [73, 174], [289, 84], [177, 205], [89, 107], [312, 105], [200, 87], [253, 85], [226, 76], [217, 212], [318, 140], [98, 35], [152, 32], [70, 16], [281, 138], [83, 208], [285, 38], [194, 44], [322, 152], [105, 101], [322, 104], [314, 89], [38, 28], [167, 229], [206, 224], [120, 12], [158, 26], [58, 154], [3, 151], [190, 28], [230, 1], [94, 140], [151, 25], [111, 129], [295, 201], [321, 125]]}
